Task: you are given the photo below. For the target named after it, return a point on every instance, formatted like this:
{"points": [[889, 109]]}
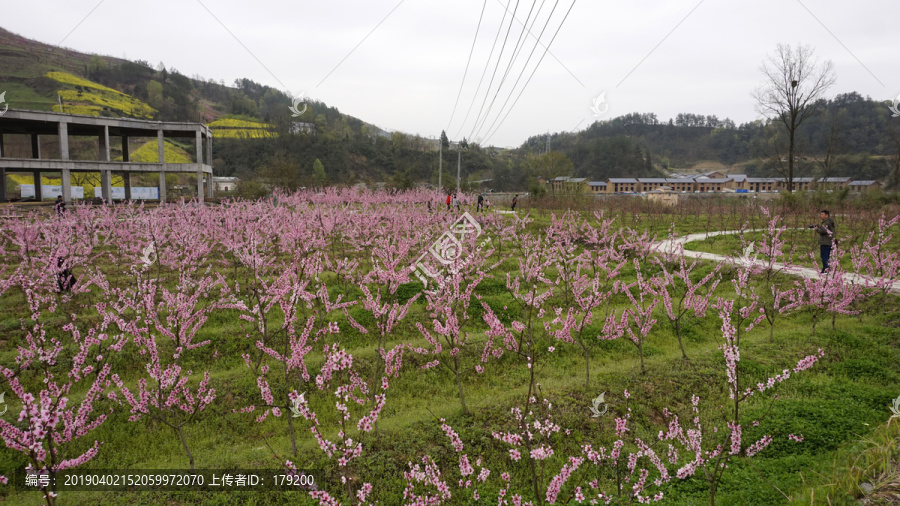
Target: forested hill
{"points": [[857, 131], [257, 137], [34, 74]]}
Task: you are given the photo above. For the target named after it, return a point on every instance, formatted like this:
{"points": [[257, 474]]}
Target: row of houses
{"points": [[709, 182]]}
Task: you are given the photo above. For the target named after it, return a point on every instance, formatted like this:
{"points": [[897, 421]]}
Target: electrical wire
{"points": [[472, 50]]}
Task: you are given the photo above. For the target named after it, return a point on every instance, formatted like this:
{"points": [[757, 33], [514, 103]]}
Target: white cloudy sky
{"points": [[678, 55]]}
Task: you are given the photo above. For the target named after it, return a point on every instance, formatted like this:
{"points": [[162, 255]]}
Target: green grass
{"points": [[839, 402]]}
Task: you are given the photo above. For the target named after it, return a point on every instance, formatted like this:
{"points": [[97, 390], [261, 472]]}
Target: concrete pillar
{"points": [[2, 149], [3, 185], [200, 186], [106, 185], [126, 177], [104, 144], [199, 146], [210, 187], [125, 154], [67, 186], [63, 142], [162, 161], [38, 193], [162, 187], [36, 146], [208, 148], [160, 146]]}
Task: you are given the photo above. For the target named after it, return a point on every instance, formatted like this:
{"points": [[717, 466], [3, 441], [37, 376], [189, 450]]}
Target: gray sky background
{"points": [[406, 75]]}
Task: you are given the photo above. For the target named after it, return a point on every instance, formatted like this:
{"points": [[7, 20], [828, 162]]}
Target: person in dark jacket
{"points": [[514, 202], [480, 206], [825, 229], [60, 205]]}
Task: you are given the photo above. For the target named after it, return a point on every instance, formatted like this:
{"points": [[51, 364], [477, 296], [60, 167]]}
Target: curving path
{"points": [[803, 272]]}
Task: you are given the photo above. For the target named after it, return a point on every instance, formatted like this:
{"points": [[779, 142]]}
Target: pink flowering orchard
{"points": [[407, 354]]}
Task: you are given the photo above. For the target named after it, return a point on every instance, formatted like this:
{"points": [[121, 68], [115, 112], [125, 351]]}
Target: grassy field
{"points": [[837, 406]]}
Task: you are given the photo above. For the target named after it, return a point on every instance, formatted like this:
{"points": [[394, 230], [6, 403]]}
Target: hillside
{"points": [[257, 137]]}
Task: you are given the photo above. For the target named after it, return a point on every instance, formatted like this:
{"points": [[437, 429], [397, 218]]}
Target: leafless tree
{"points": [[793, 81]]}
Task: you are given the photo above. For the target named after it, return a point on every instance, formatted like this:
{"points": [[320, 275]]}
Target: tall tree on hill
{"points": [[793, 81], [895, 174]]}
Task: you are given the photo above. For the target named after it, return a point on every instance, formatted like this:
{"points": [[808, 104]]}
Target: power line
{"points": [[467, 64], [497, 66], [486, 65], [532, 73], [524, 68], [515, 55]]}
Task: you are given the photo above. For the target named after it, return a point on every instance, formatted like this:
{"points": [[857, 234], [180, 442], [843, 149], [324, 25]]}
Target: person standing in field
{"points": [[456, 202], [825, 229], [514, 202], [480, 205], [448, 201], [60, 206], [487, 205]]}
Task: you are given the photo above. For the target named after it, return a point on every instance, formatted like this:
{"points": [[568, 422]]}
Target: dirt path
{"points": [[803, 272]]}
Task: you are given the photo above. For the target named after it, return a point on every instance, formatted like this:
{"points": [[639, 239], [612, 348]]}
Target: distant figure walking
{"points": [[480, 206], [514, 202], [825, 229], [429, 206], [487, 205], [449, 197], [456, 202], [60, 206]]}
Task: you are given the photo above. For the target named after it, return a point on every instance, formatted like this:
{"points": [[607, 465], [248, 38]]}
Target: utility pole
{"points": [[440, 161], [458, 164]]}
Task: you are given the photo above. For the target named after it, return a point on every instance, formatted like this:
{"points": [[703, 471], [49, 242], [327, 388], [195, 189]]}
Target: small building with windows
{"points": [[597, 186], [763, 184], [649, 184], [622, 185], [862, 186]]}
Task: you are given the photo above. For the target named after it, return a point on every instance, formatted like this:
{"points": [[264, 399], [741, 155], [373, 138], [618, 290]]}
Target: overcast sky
{"points": [[660, 56]]}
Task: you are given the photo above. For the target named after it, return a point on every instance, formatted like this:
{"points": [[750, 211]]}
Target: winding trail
{"points": [[795, 270]]}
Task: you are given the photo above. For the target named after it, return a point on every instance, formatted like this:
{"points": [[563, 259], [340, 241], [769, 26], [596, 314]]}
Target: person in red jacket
{"points": [[448, 201]]}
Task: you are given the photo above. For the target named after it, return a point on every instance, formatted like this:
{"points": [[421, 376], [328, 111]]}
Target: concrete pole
{"points": [[200, 186], [67, 186], [125, 155], [458, 164], [64, 155], [105, 176], [106, 185], [208, 148], [440, 162], [210, 186], [3, 184], [161, 153], [63, 141], [199, 146], [126, 177], [36, 146], [104, 144], [38, 188]]}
